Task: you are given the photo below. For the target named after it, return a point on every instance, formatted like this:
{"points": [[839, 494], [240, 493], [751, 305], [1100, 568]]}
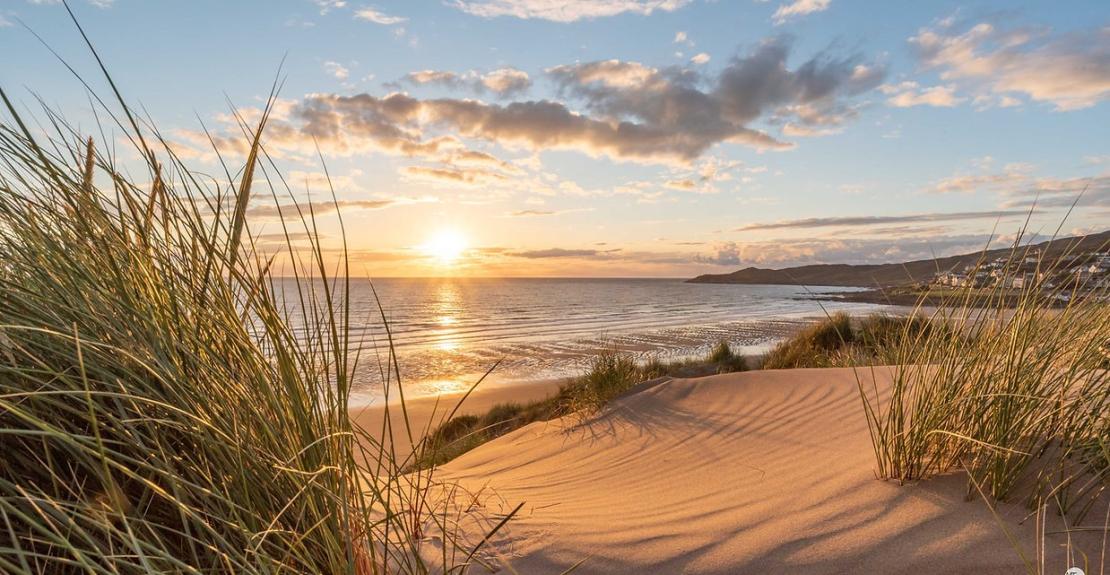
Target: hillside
{"points": [[893, 274]]}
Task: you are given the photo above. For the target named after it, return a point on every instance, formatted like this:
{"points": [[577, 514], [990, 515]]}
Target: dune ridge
{"points": [[762, 471]]}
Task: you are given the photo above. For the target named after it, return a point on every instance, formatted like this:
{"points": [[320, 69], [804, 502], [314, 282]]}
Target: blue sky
{"points": [[623, 137]]}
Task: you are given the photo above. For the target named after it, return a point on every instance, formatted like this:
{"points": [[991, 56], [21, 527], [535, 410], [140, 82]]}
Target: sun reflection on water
{"points": [[439, 386], [447, 345], [446, 306]]}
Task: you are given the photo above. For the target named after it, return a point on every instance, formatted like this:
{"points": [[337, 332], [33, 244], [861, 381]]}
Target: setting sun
{"points": [[446, 246]]}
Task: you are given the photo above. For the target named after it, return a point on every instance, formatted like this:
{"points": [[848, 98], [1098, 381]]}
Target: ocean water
{"points": [[447, 332]]}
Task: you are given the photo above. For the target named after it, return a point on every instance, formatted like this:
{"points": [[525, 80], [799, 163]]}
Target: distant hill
{"points": [[897, 274]]}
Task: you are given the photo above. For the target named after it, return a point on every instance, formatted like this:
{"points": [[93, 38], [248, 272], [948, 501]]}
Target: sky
{"points": [[653, 138]]}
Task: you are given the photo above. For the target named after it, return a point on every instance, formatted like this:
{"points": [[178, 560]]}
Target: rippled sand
{"points": [[755, 472]]}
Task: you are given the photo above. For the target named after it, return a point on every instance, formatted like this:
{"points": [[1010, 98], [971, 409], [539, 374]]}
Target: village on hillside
{"points": [[1087, 273]]}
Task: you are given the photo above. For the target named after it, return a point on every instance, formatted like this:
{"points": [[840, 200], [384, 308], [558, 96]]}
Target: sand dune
{"points": [[756, 472]]}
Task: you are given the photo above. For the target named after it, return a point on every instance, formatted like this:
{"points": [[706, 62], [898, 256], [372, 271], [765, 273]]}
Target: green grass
{"points": [[725, 360], [839, 340], [1019, 398]]}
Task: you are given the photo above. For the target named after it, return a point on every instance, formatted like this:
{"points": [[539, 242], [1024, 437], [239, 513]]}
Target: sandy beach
{"points": [[754, 472], [427, 412]]}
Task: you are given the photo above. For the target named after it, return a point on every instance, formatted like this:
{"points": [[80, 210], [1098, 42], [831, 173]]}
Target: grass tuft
{"points": [[725, 360], [1017, 395], [839, 340]]}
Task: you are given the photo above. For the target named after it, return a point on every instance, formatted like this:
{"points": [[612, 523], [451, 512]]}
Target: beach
{"points": [[433, 410], [603, 287], [447, 332], [753, 472]]}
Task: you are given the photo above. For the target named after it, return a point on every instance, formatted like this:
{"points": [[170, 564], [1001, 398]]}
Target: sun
{"points": [[447, 246]]}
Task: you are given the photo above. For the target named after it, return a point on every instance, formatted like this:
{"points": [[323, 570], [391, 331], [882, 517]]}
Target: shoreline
{"points": [[429, 411], [539, 365], [908, 297]]}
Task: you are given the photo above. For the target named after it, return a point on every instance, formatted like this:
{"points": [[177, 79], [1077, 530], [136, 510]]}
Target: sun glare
{"points": [[446, 246]]}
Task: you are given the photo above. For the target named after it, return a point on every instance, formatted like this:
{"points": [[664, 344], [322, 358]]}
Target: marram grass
{"points": [[159, 412], [840, 340], [1015, 392]]}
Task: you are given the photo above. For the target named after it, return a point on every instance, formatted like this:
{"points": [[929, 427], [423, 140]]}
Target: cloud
{"points": [[281, 239], [433, 77], [684, 185], [289, 211], [625, 111], [320, 182], [1011, 175], [1070, 71], [728, 254], [507, 81], [477, 158], [473, 176], [5, 22], [534, 213], [350, 124], [682, 38], [798, 8], [565, 11], [329, 5], [396, 123], [1090, 192], [336, 69], [560, 253], [775, 254], [856, 221], [909, 94], [378, 17], [1017, 186], [700, 59], [826, 250], [503, 82], [690, 118]]}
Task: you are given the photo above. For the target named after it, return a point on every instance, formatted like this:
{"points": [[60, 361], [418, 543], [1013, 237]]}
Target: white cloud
{"points": [[502, 81], [378, 17], [329, 5], [566, 10], [865, 221], [336, 69], [624, 111], [909, 94], [799, 8], [506, 81], [1071, 71], [700, 59], [1018, 186]]}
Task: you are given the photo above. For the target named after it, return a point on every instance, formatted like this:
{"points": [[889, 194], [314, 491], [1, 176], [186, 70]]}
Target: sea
{"points": [[448, 333]]}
